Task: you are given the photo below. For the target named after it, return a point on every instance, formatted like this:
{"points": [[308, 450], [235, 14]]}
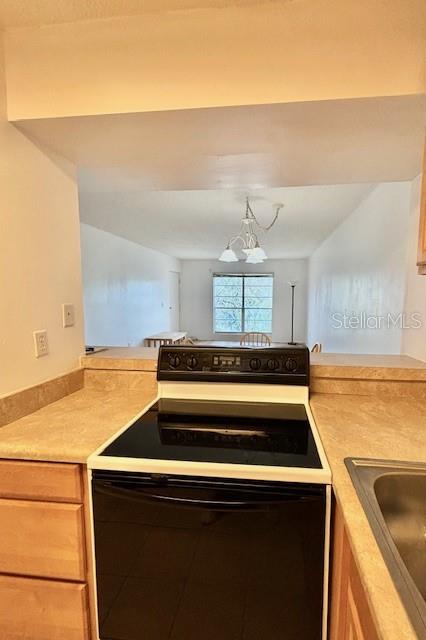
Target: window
{"points": [[242, 303]]}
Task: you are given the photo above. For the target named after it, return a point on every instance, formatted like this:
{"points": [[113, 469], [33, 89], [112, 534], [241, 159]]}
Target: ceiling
{"points": [[176, 181], [196, 224], [262, 146], [27, 13]]}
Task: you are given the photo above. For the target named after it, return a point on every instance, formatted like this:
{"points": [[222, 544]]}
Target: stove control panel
{"points": [[288, 364]]}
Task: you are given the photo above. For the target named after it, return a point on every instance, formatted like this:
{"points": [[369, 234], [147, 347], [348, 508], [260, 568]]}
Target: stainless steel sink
{"points": [[393, 495]]}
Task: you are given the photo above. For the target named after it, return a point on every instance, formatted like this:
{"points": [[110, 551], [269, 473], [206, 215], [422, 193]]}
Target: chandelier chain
{"points": [[275, 218]]}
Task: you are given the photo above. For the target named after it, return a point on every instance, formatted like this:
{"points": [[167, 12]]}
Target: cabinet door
{"points": [[354, 630], [350, 616], [339, 579], [421, 260], [42, 610]]}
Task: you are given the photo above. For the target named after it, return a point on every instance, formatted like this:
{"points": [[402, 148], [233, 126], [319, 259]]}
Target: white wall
{"points": [[197, 296], [414, 339], [231, 54], [126, 289], [360, 268], [39, 258]]}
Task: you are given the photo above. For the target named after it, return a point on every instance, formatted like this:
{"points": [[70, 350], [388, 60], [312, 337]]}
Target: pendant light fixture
{"points": [[247, 238]]}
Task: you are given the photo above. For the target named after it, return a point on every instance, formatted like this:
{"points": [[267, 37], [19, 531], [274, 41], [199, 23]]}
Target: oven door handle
{"points": [[213, 504], [141, 494]]}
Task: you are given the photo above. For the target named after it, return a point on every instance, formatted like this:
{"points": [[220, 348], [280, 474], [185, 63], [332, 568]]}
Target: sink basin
{"points": [[393, 495]]}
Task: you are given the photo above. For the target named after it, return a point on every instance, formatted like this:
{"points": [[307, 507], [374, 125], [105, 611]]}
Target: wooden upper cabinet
{"points": [[421, 260]]}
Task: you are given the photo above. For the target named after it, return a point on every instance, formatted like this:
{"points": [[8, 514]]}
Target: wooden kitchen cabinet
{"points": [[42, 539], [46, 588], [421, 260], [45, 481], [350, 615], [42, 609]]}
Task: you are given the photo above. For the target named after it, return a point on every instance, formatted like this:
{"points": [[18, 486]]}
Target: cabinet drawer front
{"points": [[42, 610], [43, 539], [40, 481]]}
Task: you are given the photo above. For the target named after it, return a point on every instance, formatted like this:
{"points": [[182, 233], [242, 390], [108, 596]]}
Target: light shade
{"points": [[253, 259], [259, 253], [228, 256]]}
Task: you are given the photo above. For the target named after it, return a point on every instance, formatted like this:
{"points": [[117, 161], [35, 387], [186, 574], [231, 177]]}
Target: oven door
{"points": [[187, 558]]}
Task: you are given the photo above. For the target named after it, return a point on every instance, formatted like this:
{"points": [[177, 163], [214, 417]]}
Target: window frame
{"points": [[219, 274]]}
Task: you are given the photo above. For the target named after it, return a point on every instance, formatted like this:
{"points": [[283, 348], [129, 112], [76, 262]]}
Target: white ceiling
{"points": [[25, 13], [263, 146], [196, 224], [176, 181]]}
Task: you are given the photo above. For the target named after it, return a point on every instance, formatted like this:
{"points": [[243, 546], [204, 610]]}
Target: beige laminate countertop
{"points": [[72, 428], [323, 365], [371, 427], [122, 358], [367, 366]]}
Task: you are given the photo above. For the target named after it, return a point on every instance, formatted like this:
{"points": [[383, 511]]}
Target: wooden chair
{"points": [[317, 348], [255, 339]]}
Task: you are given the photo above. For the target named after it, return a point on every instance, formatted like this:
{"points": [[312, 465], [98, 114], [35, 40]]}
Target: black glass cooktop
{"points": [[225, 432]]}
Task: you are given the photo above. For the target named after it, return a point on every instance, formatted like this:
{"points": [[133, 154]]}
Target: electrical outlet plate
{"points": [[41, 345], [68, 315]]}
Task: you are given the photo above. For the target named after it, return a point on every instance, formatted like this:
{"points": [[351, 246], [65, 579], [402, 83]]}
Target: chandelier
{"points": [[247, 238]]}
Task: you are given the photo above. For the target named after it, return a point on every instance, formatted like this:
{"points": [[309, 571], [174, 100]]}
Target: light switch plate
{"points": [[68, 315], [41, 346]]}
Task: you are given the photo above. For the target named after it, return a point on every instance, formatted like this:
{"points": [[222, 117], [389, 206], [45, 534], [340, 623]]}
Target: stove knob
{"points": [[291, 365], [174, 361], [192, 362], [273, 364], [255, 364]]}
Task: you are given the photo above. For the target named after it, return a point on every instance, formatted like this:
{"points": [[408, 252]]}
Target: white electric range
{"points": [[211, 509]]}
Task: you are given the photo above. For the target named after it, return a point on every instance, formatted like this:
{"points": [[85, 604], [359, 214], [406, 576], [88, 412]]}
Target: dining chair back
{"points": [[256, 339]]}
